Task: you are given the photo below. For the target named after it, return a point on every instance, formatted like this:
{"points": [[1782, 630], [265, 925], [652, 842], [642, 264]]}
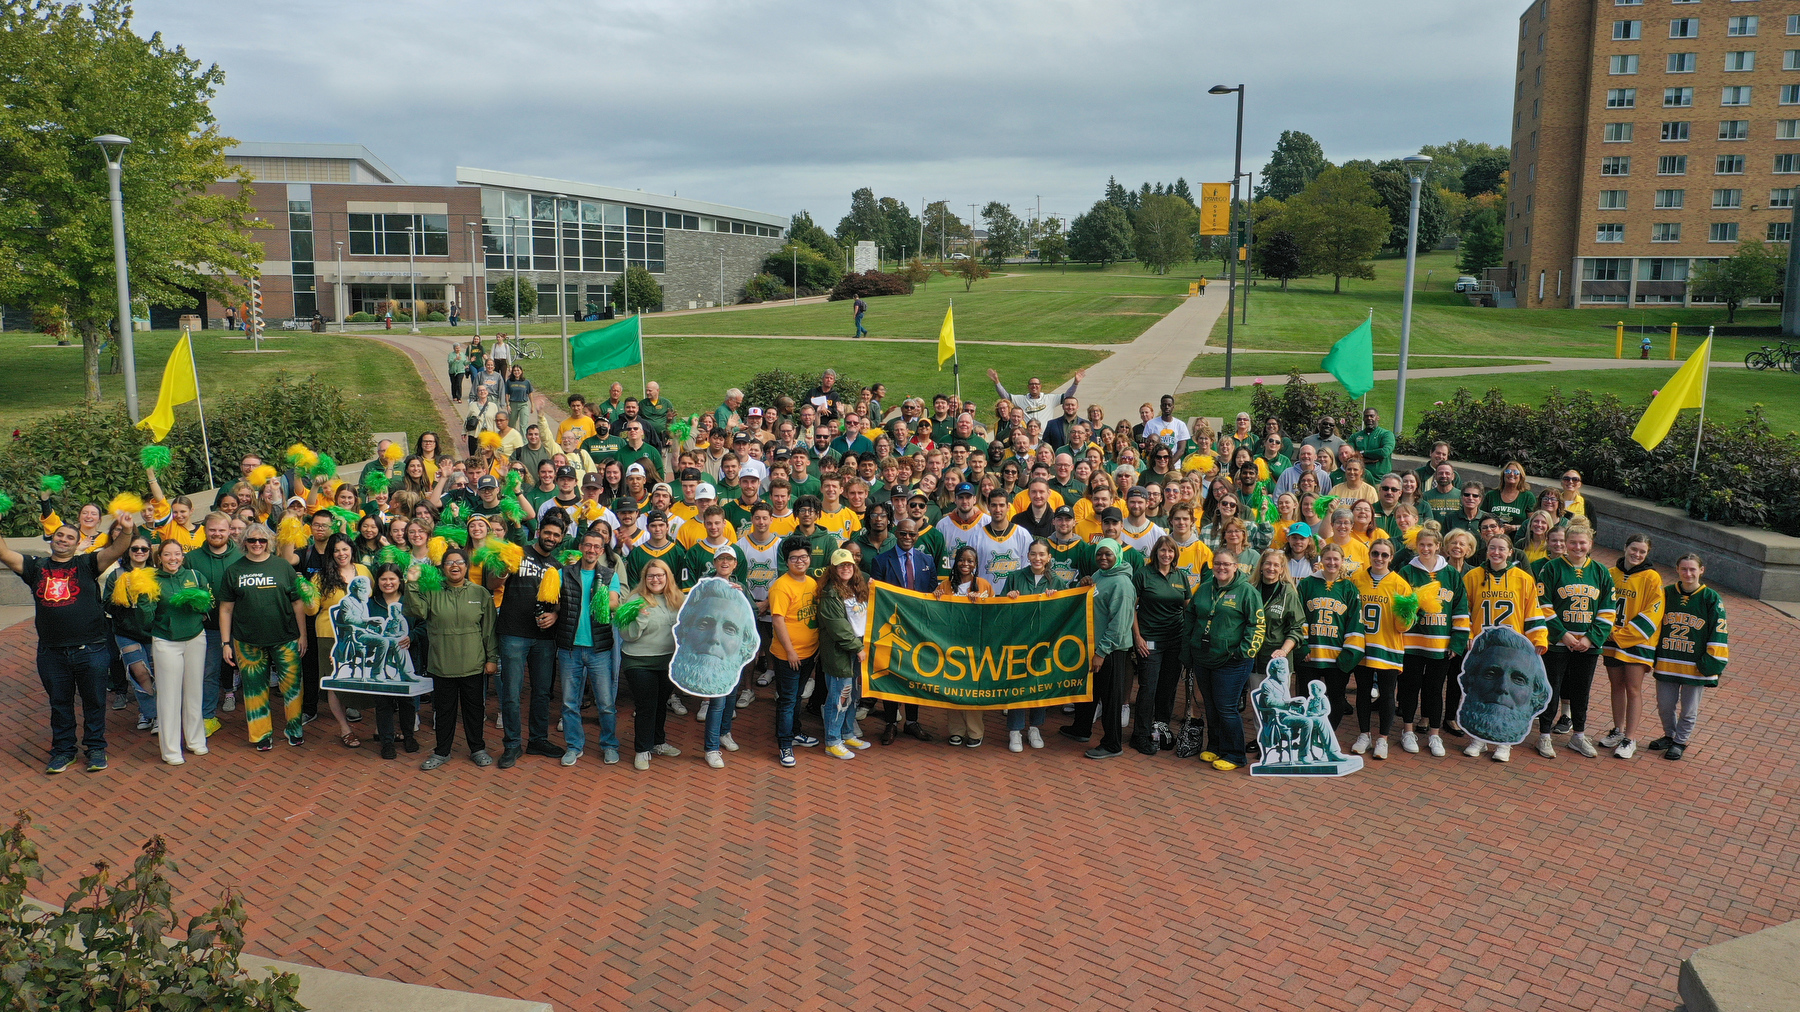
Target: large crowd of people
{"points": [[539, 574]]}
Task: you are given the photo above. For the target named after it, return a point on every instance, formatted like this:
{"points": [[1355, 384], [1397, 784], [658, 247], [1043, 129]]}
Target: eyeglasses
{"points": [[247, 541], [1571, 479]]}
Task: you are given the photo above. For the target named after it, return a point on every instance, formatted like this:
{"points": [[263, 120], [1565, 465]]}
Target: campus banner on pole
{"points": [[1215, 208], [986, 655], [613, 346]]}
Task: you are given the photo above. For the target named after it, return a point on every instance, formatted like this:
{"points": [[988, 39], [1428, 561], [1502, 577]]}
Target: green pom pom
{"points": [[680, 430], [1406, 608], [514, 479], [52, 483], [568, 557], [1322, 506], [155, 457], [325, 468], [6, 503], [455, 511], [431, 579], [628, 612], [197, 599], [490, 560], [451, 533], [393, 555], [305, 591], [512, 510], [375, 482], [600, 608]]}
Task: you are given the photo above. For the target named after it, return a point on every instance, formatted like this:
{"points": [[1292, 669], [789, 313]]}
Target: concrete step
{"points": [[1755, 973]]}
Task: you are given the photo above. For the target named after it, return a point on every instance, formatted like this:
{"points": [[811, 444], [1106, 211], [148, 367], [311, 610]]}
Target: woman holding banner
{"points": [[963, 581], [1036, 578]]}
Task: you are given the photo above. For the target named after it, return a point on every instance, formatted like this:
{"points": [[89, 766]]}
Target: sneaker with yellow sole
{"points": [[212, 726], [856, 743], [839, 752], [1224, 765]]}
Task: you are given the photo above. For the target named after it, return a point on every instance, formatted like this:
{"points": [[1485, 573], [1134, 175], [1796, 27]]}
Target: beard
{"points": [[704, 675], [1499, 723]]}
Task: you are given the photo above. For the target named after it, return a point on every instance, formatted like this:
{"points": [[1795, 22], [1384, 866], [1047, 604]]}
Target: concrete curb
{"points": [[1756, 973]]}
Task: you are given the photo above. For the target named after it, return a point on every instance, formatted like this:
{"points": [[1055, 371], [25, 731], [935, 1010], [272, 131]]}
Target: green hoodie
{"points": [[1225, 624], [169, 621], [1115, 602]]}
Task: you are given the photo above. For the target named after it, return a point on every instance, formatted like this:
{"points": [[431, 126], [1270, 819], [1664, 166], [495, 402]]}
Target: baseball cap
{"points": [[655, 515], [487, 481], [784, 453], [602, 422], [1300, 530], [730, 550], [919, 497], [662, 486], [740, 437], [624, 504], [706, 491], [565, 471], [1111, 513], [590, 480], [1065, 511], [755, 412], [842, 556], [1137, 492], [292, 499], [637, 469], [965, 489], [690, 474]]}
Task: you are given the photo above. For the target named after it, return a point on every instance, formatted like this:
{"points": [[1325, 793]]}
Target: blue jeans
{"points": [[860, 329], [720, 713], [840, 708], [788, 680], [1223, 689], [580, 667], [215, 660], [1016, 718], [519, 655], [132, 652], [68, 672]]}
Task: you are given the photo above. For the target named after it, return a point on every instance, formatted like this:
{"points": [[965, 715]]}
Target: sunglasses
{"points": [[247, 541], [146, 548], [1570, 479]]}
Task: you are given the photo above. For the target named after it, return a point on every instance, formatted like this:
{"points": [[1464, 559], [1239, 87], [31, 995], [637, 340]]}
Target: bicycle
{"points": [[526, 349], [1770, 358]]}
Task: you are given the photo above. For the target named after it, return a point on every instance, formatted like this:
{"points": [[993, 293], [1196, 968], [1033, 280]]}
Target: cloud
{"points": [[790, 105]]}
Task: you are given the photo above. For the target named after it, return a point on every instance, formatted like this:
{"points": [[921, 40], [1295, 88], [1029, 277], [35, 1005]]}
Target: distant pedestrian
{"points": [[318, 324], [860, 307], [1203, 284], [231, 319], [455, 314], [1644, 348]]}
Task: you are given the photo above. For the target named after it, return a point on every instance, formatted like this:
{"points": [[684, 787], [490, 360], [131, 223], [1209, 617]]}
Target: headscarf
{"points": [[1120, 567]]}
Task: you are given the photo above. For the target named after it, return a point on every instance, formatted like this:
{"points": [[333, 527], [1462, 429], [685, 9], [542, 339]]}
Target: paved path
{"points": [[905, 340], [1141, 371], [924, 877]]}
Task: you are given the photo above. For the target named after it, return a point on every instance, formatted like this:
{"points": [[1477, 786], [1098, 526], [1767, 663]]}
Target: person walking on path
{"points": [[860, 307]]}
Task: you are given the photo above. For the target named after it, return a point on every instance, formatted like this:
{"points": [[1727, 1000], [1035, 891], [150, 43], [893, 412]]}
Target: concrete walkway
{"points": [[903, 340], [1141, 371]]}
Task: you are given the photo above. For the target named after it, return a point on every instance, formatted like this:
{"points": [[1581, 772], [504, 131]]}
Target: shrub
{"points": [[501, 298], [642, 287], [106, 949], [1747, 473], [870, 283], [764, 287], [816, 270], [1299, 404], [360, 318], [765, 387], [96, 451], [436, 317]]}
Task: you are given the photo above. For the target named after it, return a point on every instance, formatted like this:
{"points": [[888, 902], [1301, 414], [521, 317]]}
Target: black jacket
{"points": [[572, 605]]}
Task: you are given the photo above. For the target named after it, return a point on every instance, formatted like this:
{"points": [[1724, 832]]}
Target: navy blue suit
{"points": [[889, 568]]}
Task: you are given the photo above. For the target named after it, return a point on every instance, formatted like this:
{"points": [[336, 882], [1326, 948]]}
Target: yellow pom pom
{"points": [[1262, 469], [125, 502], [550, 586], [121, 588], [262, 475], [143, 584], [393, 453], [513, 554], [293, 533], [1411, 537], [1200, 462], [436, 547], [301, 457], [488, 440]]}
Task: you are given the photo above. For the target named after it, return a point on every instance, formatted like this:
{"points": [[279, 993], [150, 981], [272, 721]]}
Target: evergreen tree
{"points": [[803, 230], [1180, 189], [1396, 195], [1117, 195], [1279, 255], [1296, 161], [865, 222], [1483, 243]]}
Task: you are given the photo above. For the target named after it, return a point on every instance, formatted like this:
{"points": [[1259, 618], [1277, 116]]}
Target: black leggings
{"points": [[386, 709], [1423, 677], [890, 710], [1571, 675], [1159, 675], [1366, 680], [650, 691], [448, 695], [1336, 682]]}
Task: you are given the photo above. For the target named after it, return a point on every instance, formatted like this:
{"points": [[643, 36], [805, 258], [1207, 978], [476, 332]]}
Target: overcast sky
{"points": [[779, 106]]}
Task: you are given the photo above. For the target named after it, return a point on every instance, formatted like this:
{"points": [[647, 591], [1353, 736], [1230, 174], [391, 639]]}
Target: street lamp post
{"points": [[412, 312], [1416, 167], [339, 298], [513, 222], [1237, 173], [109, 143], [562, 293], [473, 294]]}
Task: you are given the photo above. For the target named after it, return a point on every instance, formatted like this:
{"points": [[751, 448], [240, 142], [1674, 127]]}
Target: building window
{"points": [[385, 234], [1790, 60], [300, 256], [1780, 231], [1626, 64], [1616, 98], [1678, 98], [1684, 28], [1723, 231], [1790, 94], [1615, 165], [1728, 198], [1737, 94], [1617, 133], [1534, 107], [1602, 269], [1666, 232], [1729, 165], [1741, 26], [1671, 165], [1793, 24], [1740, 60], [1781, 197], [1609, 233], [1683, 63], [1671, 198], [1627, 31], [1610, 200], [1787, 129], [1734, 130], [1787, 164], [1663, 268], [1673, 131], [1628, 3]]}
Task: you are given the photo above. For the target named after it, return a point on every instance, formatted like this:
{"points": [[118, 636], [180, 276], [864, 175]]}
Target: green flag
{"points": [[613, 346], [1352, 360]]}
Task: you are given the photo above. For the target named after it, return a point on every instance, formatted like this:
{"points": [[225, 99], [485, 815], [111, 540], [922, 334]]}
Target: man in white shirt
{"points": [[1166, 429], [1035, 403]]}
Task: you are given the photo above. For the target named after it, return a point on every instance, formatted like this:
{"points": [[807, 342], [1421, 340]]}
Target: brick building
{"points": [[1648, 135], [342, 224]]}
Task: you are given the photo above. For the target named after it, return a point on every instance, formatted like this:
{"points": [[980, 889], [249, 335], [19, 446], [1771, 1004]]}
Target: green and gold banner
{"points": [[986, 655]]}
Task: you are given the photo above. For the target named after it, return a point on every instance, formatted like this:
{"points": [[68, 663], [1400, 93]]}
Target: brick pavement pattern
{"points": [[924, 877]]}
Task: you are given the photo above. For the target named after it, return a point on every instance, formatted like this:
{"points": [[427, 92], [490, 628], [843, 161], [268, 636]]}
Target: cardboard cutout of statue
{"points": [[1297, 738], [1504, 687], [370, 652], [715, 637]]}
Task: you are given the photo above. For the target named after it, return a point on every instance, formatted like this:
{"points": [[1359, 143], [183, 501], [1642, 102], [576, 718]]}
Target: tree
{"points": [[816, 271], [500, 300], [1339, 221], [1483, 243], [803, 230], [1279, 255], [1486, 174], [865, 222], [970, 271], [1396, 195], [1450, 161], [901, 228], [641, 287], [1180, 189], [942, 226], [1748, 274], [1165, 232], [1296, 161], [1117, 195], [1103, 235], [74, 72], [1005, 232], [1052, 247]]}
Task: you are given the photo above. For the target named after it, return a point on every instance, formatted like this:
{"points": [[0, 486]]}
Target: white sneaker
{"points": [[1503, 753], [715, 760], [1015, 741], [862, 711], [1362, 743], [725, 740], [1381, 748], [1435, 745], [746, 697], [499, 722], [1612, 739], [765, 677], [1626, 749], [1409, 741], [558, 728], [1473, 749], [641, 761], [1125, 715], [700, 711], [1579, 742], [1546, 747], [1033, 737], [677, 706], [666, 749]]}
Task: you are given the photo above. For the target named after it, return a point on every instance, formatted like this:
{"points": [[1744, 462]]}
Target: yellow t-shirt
{"points": [[781, 527], [584, 425], [796, 601], [842, 522]]}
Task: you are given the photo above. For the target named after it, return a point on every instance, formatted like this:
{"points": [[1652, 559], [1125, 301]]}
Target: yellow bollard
{"points": [[1674, 338], [1619, 341]]}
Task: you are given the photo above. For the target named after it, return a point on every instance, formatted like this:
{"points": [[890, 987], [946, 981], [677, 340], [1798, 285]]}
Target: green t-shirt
{"points": [[738, 515], [807, 486], [603, 447], [646, 453], [261, 595]]}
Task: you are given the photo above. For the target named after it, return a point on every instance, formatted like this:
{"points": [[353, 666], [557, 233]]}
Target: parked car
{"points": [[1467, 284], [959, 256]]}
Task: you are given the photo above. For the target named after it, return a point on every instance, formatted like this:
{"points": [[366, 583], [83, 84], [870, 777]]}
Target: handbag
{"points": [[1191, 741]]}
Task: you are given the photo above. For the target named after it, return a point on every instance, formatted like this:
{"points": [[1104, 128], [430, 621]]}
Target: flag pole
{"points": [[205, 444], [1705, 374], [643, 373]]}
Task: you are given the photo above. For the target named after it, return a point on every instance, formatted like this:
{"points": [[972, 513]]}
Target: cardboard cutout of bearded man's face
{"points": [[715, 636], [1504, 687]]}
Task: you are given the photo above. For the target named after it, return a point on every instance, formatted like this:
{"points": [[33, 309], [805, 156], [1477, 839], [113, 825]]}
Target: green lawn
{"points": [[43, 381], [695, 371], [1254, 364], [1308, 317], [1730, 390]]}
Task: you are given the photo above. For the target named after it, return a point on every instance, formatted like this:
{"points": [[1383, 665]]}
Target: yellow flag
{"points": [[1685, 389], [946, 339], [177, 388]]}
